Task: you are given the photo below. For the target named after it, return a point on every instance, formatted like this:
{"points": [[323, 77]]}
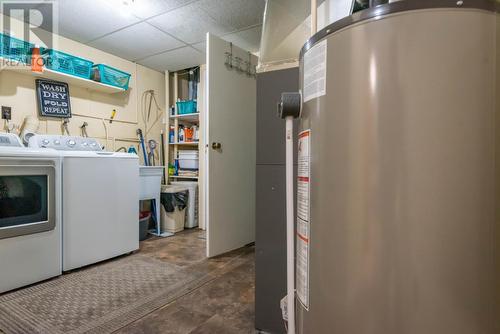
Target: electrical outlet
{"points": [[6, 113]]}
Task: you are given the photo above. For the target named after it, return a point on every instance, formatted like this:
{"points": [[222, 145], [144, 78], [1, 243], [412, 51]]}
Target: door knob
{"points": [[216, 146]]}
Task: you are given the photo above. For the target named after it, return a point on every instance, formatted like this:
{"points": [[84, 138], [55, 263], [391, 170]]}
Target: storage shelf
{"points": [[187, 117], [70, 79], [184, 177], [186, 144]]}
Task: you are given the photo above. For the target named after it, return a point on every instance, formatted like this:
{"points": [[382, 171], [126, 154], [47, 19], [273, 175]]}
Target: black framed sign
{"points": [[53, 98]]}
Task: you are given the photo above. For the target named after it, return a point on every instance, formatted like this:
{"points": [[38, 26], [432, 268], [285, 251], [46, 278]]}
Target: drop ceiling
{"points": [[161, 34]]}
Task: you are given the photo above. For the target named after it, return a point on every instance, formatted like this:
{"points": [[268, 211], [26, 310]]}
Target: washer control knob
{"points": [[45, 142], [71, 143], [57, 142], [85, 144]]}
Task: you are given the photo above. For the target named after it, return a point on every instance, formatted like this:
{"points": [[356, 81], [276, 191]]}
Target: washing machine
{"points": [[30, 214], [100, 200]]}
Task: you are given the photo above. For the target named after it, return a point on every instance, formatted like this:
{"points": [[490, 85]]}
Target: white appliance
{"points": [[100, 200], [30, 214]]}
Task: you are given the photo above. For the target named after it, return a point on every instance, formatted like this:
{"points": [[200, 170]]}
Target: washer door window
{"points": [[27, 200]]}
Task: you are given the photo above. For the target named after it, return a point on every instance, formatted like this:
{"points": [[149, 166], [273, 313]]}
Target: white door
{"points": [[231, 124]]}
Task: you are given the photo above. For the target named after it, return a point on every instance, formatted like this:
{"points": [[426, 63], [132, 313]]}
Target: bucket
{"points": [[144, 217]]}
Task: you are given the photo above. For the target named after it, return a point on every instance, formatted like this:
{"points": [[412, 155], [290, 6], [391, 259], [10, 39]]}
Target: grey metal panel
{"points": [[270, 128], [270, 248], [404, 184]]}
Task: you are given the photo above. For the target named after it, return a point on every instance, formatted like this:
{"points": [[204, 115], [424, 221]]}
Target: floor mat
{"points": [[97, 300]]}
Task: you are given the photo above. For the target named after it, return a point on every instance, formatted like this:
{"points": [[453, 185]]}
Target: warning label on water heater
{"points": [[315, 72], [303, 217]]}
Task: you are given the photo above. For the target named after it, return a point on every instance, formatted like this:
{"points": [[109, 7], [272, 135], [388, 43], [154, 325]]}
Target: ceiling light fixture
{"points": [[124, 7]]}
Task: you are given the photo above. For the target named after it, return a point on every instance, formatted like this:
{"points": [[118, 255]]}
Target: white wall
{"points": [[18, 91]]}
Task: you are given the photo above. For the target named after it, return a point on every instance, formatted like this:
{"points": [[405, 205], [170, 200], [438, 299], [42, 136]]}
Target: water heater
{"points": [[398, 228]]}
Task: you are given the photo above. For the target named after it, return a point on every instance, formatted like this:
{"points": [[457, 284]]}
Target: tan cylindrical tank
{"points": [[404, 185]]}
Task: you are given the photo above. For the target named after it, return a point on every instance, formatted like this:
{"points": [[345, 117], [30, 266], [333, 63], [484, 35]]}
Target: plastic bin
{"points": [[66, 63], [15, 49], [186, 107], [110, 76], [174, 201], [189, 164], [189, 159], [193, 202], [144, 218]]}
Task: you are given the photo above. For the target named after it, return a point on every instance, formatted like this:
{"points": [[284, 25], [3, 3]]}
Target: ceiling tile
{"points": [[237, 14], [189, 23], [147, 8], [81, 21], [175, 60], [201, 46], [248, 40], [136, 42]]}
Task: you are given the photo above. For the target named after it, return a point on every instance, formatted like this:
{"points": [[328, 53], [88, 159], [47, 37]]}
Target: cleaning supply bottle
{"points": [[171, 135], [36, 60], [176, 166], [171, 170], [181, 134], [196, 134]]}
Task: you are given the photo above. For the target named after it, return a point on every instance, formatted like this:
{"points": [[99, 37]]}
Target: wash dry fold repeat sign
{"points": [[53, 98]]}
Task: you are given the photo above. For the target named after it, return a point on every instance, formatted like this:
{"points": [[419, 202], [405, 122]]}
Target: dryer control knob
{"points": [[45, 142], [71, 143]]}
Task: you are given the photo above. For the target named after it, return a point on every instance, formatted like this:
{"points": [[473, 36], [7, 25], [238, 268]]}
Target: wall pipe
{"points": [[314, 17], [290, 226], [290, 217]]}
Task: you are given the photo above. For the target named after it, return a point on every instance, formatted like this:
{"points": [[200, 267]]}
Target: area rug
{"points": [[101, 299]]}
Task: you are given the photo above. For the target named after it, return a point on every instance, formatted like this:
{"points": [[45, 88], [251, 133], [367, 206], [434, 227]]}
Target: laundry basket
{"points": [[110, 76], [66, 63]]}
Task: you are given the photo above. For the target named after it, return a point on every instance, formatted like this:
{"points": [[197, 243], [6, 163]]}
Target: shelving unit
{"points": [[70, 79], [177, 120]]}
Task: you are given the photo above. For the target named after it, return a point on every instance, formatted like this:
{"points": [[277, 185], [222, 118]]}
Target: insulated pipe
{"points": [[314, 17], [289, 109], [290, 227]]}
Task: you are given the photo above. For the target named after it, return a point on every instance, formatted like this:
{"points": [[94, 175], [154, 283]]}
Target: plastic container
{"points": [[110, 76], [193, 202], [188, 159], [173, 222], [186, 107], [144, 218], [15, 49], [188, 154], [66, 63], [192, 164]]}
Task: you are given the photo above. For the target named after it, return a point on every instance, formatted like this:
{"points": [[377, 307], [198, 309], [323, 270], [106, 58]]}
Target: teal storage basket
{"points": [[15, 49], [66, 63], [186, 107], [110, 76]]}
